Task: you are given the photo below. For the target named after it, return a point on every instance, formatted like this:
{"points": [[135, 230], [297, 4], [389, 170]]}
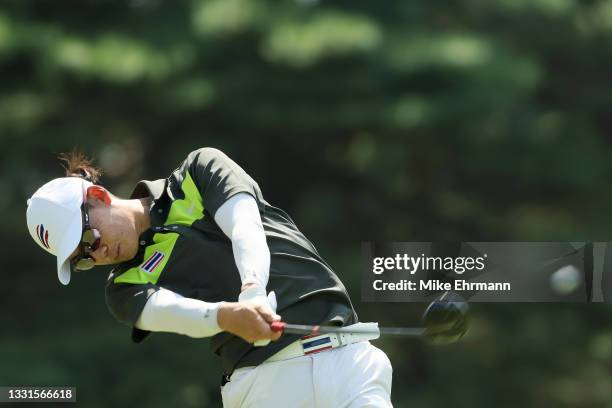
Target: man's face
{"points": [[118, 236]]}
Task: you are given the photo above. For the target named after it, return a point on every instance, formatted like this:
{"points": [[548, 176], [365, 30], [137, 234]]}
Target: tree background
{"points": [[396, 120]]}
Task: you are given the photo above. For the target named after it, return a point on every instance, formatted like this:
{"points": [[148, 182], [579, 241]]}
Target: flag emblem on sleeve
{"points": [[152, 262]]}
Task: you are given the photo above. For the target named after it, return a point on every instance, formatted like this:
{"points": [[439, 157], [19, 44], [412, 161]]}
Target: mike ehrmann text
{"points": [[437, 285]]}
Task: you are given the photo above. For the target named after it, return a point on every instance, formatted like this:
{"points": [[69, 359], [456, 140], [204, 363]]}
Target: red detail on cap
{"points": [[47, 238], [277, 326]]}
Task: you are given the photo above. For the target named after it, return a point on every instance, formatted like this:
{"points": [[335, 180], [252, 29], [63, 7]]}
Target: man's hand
{"points": [[257, 293], [248, 319]]}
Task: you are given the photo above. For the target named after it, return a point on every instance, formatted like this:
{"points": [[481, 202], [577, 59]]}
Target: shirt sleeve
{"points": [[218, 178], [167, 311], [126, 301], [239, 219]]}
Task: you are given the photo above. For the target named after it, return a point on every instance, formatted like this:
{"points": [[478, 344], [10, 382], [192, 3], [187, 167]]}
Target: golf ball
{"points": [[566, 279]]}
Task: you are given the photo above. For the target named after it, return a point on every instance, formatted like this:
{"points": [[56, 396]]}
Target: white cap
{"points": [[55, 219]]}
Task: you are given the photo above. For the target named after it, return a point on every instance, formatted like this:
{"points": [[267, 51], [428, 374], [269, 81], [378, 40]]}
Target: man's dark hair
{"points": [[77, 164]]}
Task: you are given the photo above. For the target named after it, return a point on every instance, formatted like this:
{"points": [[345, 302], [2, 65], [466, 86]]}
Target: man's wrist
{"points": [[223, 311], [247, 285], [212, 316], [251, 280], [251, 291]]}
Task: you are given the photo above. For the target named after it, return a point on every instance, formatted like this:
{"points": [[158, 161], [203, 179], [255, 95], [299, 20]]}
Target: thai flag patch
{"points": [[152, 262], [316, 344]]}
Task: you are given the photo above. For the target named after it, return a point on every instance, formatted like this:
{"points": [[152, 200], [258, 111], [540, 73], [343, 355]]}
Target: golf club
{"points": [[312, 330], [445, 321]]}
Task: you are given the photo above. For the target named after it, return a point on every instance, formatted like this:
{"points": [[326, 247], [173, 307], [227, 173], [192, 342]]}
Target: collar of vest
{"points": [[154, 189], [146, 188]]}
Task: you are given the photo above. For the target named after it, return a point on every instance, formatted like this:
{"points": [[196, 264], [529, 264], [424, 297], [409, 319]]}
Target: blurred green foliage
{"points": [[396, 120]]}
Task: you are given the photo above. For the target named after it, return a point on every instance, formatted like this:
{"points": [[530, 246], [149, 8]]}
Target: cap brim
{"points": [[69, 244]]}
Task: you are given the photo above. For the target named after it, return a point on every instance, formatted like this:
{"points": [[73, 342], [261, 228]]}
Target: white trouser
{"points": [[357, 375]]}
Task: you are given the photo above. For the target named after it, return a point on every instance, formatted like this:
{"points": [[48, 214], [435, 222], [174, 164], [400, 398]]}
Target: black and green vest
{"points": [[186, 252]]}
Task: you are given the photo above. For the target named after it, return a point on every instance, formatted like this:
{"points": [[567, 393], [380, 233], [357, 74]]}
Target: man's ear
{"points": [[99, 193]]}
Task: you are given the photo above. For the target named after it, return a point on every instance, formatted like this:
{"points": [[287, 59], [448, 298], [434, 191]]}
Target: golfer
{"points": [[203, 254]]}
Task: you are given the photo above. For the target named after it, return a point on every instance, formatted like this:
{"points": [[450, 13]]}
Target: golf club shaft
{"points": [[384, 331]]}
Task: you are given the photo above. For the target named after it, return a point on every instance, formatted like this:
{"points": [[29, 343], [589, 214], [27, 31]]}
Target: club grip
{"points": [[277, 326]]}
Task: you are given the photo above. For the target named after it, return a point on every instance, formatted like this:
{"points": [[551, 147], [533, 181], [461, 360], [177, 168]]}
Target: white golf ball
{"points": [[566, 279]]}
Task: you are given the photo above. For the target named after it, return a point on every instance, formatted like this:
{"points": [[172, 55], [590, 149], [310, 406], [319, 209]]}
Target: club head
{"points": [[446, 319]]}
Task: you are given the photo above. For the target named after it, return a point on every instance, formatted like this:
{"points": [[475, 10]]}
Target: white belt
{"points": [[322, 342]]}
